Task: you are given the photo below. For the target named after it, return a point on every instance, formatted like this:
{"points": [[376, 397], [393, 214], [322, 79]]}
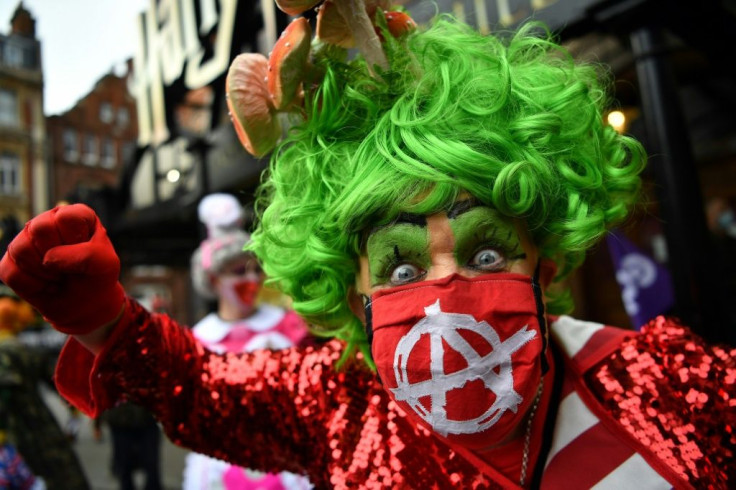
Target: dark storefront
{"points": [[186, 145]]}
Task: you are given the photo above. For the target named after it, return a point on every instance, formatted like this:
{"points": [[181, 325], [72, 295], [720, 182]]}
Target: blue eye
{"points": [[405, 273], [488, 259]]}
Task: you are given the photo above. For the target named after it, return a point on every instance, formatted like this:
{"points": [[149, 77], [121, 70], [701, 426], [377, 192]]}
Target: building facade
{"points": [[90, 142], [23, 164], [91, 145], [187, 147]]}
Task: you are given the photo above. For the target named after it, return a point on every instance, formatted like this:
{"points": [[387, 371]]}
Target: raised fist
{"points": [[64, 265]]}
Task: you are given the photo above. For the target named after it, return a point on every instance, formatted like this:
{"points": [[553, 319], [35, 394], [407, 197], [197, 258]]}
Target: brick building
{"points": [[90, 143], [23, 163]]}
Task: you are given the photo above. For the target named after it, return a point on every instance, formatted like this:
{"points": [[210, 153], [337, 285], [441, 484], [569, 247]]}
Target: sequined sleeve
{"points": [[266, 410], [677, 396]]}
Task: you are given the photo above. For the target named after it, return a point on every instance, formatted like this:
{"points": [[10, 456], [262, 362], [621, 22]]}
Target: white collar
{"points": [[212, 328]]}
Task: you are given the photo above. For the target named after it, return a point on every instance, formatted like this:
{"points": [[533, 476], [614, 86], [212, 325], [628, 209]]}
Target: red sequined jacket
{"points": [[655, 409]]}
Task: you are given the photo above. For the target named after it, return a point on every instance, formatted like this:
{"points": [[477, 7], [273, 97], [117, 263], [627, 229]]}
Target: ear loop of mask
{"points": [[368, 319], [369, 327], [541, 317]]}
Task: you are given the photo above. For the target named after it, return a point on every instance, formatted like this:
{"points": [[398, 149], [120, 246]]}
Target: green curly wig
{"points": [[513, 121]]}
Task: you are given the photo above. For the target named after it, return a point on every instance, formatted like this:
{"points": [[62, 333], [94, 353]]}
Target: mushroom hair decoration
{"points": [[259, 88]]}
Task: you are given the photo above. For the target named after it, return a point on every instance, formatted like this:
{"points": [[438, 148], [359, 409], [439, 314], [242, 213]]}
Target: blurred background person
{"points": [[223, 272], [26, 422], [14, 473], [73, 423], [136, 445]]}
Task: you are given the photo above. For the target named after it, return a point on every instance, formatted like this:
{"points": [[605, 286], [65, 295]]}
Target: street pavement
{"points": [[96, 456]]}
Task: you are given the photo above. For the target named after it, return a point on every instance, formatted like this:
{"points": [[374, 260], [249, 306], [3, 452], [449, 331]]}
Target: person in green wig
{"points": [[427, 201]]}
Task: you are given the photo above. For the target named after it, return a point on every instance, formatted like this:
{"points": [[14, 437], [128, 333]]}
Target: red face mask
{"points": [[240, 291], [462, 356]]}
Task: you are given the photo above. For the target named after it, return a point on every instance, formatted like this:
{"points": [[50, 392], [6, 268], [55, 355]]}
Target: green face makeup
{"points": [[393, 245], [485, 240]]}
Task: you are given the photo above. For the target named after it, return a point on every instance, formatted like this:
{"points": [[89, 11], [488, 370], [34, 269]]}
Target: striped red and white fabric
{"points": [[585, 452]]}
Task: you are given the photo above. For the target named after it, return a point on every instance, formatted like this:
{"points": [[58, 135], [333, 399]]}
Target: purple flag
{"points": [[646, 286]]}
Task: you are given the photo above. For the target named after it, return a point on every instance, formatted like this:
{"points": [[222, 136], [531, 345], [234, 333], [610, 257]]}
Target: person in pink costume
{"points": [[222, 270]]}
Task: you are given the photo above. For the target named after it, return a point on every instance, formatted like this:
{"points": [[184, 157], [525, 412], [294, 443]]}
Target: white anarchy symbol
{"points": [[493, 369]]}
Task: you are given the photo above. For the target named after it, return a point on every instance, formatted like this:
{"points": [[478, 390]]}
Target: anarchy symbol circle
{"points": [[493, 369]]}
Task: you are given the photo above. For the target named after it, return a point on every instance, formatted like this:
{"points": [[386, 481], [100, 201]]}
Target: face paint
{"points": [[391, 247], [462, 356], [484, 240]]}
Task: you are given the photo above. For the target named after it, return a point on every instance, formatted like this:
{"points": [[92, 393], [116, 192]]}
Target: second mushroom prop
{"points": [[287, 64], [258, 88]]}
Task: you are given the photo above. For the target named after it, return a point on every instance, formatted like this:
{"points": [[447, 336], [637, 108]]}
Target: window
{"points": [[123, 117], [13, 55], [9, 108], [108, 153], [129, 151], [106, 114], [18, 52], [71, 146], [91, 154], [9, 174]]}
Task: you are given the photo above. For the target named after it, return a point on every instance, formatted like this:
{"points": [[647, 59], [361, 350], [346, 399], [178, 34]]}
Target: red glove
{"points": [[64, 265]]}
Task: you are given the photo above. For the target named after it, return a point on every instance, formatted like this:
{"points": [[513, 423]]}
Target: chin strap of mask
{"points": [[541, 317]]}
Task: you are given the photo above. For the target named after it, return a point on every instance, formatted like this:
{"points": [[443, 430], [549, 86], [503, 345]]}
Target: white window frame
{"points": [[9, 114], [70, 142], [91, 152], [123, 117], [13, 55], [107, 114], [128, 151], [10, 184], [109, 158]]}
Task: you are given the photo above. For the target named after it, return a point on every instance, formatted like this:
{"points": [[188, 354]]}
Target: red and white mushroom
{"points": [[249, 103], [332, 28], [399, 23], [288, 62]]}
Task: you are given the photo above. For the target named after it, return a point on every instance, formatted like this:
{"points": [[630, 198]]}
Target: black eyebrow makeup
{"points": [[402, 219], [461, 207]]}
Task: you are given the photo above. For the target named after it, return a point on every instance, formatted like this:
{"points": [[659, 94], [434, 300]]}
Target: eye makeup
{"points": [[393, 245], [480, 227]]}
